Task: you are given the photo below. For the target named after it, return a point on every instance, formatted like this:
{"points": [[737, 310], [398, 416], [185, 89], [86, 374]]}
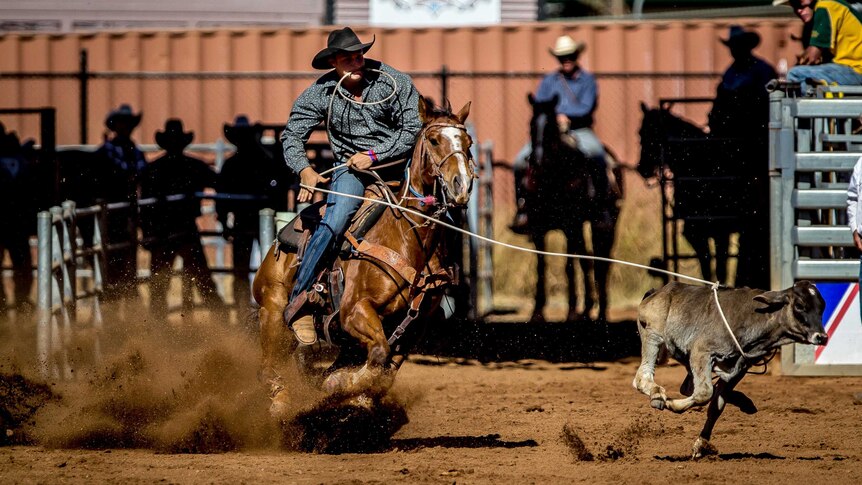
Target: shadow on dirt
{"points": [[345, 429], [487, 441], [369, 429], [583, 341], [724, 457]]}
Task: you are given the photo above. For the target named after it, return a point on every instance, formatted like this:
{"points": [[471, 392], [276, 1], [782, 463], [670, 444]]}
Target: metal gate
{"points": [[812, 153]]}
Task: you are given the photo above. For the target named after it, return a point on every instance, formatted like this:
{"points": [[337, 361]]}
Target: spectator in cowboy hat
{"points": [[170, 228], [361, 136], [19, 189], [576, 92], [834, 51], [120, 163], [740, 116], [252, 172]]}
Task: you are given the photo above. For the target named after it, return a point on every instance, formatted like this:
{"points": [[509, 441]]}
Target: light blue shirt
{"points": [[578, 100]]}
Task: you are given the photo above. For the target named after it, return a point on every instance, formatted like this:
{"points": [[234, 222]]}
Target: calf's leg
{"points": [[644, 381], [701, 372], [723, 390]]}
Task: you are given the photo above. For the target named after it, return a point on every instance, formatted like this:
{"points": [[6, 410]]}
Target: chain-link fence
{"points": [[206, 101]]}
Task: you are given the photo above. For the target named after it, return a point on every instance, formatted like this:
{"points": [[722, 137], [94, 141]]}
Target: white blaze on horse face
{"points": [[454, 136]]}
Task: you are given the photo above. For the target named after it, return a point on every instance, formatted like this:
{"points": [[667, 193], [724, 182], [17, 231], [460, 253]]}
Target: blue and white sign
{"points": [[843, 323], [433, 13]]}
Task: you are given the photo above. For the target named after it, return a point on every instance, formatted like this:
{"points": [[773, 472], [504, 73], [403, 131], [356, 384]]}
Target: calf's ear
{"points": [[772, 298]]}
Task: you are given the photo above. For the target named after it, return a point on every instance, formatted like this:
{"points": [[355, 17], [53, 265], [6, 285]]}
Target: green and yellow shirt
{"points": [[838, 27]]}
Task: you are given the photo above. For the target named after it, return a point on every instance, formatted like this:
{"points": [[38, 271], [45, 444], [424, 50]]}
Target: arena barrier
{"points": [[812, 152], [70, 271], [57, 284]]}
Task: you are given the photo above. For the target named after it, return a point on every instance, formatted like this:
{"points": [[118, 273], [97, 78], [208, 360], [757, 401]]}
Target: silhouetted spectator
{"points": [[119, 169], [740, 116], [169, 228], [250, 172], [18, 206]]}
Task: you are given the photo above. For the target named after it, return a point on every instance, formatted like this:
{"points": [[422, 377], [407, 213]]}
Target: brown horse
{"points": [[376, 289]]}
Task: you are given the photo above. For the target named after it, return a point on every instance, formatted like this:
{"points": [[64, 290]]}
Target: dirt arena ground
{"points": [[183, 405]]}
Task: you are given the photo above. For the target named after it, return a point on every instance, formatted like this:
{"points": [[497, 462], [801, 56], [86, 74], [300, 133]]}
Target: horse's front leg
{"points": [[576, 244], [539, 301], [362, 322]]}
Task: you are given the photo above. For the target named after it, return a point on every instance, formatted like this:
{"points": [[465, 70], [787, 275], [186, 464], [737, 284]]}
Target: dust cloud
{"points": [[179, 387]]}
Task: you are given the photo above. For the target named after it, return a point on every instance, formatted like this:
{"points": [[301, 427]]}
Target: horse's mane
{"points": [[440, 111], [674, 123]]}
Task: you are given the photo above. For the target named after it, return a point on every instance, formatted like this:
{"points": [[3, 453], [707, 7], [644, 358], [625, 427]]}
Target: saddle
{"points": [[328, 288]]}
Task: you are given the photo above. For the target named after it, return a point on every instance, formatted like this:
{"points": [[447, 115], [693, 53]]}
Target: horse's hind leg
{"points": [[576, 244], [271, 293], [699, 241], [603, 241], [539, 301], [722, 253]]}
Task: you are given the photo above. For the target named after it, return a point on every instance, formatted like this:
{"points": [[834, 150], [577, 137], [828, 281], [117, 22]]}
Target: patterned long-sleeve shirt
{"points": [[389, 128]]}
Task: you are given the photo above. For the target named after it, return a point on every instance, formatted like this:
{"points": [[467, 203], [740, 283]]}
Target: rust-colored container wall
{"points": [[625, 56]]}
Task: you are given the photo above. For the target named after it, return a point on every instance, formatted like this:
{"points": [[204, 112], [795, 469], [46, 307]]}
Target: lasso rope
{"points": [[714, 285], [360, 103]]}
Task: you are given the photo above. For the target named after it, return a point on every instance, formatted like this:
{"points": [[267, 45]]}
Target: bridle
{"points": [[422, 150]]}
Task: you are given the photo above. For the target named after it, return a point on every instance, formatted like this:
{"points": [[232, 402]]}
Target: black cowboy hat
{"points": [[123, 113], [738, 36], [239, 130], [342, 40], [174, 136]]}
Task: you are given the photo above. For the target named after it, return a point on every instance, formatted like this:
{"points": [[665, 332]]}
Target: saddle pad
{"points": [[291, 234]]}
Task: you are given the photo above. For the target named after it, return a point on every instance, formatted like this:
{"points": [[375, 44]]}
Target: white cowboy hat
{"points": [[779, 2], [566, 46]]}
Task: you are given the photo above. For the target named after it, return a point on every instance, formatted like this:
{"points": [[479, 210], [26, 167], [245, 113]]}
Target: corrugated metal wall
{"points": [[622, 54]]}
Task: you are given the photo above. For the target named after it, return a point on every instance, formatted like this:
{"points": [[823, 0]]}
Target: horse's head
{"points": [[659, 125], [544, 130], [443, 149], [650, 137]]}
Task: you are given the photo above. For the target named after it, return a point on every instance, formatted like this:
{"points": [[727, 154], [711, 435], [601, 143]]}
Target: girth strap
{"points": [[385, 255]]}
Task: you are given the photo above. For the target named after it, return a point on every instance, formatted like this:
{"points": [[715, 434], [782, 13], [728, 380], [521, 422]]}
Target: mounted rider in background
{"points": [[576, 92], [363, 131]]}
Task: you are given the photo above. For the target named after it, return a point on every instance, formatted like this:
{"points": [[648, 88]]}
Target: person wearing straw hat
{"points": [[576, 92], [834, 51], [371, 112], [170, 228], [121, 163], [739, 122]]}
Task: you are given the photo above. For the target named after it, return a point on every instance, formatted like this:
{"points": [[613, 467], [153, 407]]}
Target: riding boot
{"points": [[300, 319], [303, 329]]}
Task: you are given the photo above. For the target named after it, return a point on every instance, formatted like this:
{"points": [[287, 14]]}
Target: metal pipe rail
{"points": [[810, 157], [57, 285], [58, 278]]}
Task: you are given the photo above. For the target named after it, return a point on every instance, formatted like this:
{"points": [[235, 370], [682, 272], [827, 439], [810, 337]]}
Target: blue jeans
{"points": [[339, 211], [829, 72]]}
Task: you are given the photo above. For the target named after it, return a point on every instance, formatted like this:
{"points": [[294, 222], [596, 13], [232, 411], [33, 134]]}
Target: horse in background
{"points": [[559, 194], [707, 194], [384, 276]]}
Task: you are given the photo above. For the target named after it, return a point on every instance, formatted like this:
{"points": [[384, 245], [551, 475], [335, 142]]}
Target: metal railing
{"points": [[812, 152]]}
